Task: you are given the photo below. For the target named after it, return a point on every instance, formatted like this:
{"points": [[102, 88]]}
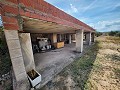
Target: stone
{"points": [[26, 48], [15, 53], [11, 34], [21, 76], [17, 59], [13, 44], [37, 87], [18, 65], [0, 79], [32, 89], [23, 85]]}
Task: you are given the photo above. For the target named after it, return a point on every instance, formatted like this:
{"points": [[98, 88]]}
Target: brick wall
{"points": [[39, 9], [9, 11]]}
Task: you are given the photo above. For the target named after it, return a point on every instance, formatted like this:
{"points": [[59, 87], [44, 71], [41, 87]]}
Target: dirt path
{"points": [[98, 69]]}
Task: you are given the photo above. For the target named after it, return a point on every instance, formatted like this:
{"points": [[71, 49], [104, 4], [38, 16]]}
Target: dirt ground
{"points": [[98, 69]]}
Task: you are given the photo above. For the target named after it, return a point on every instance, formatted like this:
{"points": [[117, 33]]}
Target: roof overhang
{"points": [[39, 26]]}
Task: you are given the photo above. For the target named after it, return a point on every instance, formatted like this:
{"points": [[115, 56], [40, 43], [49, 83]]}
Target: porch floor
{"points": [[50, 63]]}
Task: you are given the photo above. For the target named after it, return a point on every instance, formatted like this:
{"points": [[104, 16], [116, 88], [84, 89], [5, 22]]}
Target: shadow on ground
{"points": [[75, 76]]}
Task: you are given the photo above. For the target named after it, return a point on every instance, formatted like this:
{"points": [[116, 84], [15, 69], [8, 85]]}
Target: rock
{"points": [[0, 79], [37, 87], [32, 89], [3, 76]]}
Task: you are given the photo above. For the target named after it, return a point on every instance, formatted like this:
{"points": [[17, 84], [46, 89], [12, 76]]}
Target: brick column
{"points": [[88, 38], [79, 40]]}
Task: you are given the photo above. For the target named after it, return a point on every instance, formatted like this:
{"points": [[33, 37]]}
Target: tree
{"points": [[114, 33], [118, 34], [98, 34]]}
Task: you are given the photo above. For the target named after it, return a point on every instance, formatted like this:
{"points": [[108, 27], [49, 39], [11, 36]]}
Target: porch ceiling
{"points": [[40, 26]]}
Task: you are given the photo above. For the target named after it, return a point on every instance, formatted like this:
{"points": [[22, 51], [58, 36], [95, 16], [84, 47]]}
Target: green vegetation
{"points": [[98, 34], [111, 33], [114, 33], [5, 63]]}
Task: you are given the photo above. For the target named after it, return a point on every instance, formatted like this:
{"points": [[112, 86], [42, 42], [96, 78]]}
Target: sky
{"points": [[0, 21], [103, 15]]}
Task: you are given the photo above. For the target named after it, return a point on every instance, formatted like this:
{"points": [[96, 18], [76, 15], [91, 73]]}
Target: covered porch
{"points": [[50, 63]]}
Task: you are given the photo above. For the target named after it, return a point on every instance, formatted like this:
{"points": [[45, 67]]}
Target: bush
{"points": [[114, 33], [118, 34], [5, 63], [98, 34]]}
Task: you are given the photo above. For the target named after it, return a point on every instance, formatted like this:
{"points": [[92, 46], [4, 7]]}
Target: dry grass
{"points": [[108, 76], [98, 69]]}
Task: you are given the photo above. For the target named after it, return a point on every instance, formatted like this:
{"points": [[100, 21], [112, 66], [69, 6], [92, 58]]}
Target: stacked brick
{"points": [[9, 11]]}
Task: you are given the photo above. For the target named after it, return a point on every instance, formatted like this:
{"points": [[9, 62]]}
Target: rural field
{"points": [[98, 69]]}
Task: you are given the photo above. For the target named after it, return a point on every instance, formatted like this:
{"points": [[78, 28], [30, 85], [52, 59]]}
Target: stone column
{"points": [[70, 39], [26, 47], [54, 38], [16, 56], [79, 40], [92, 37], [88, 38]]}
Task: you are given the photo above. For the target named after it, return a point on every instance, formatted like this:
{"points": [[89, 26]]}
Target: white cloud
{"points": [[90, 6], [107, 25], [73, 8]]}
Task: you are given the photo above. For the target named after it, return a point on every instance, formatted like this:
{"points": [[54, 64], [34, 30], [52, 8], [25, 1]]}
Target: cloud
{"points": [[116, 6], [103, 15], [109, 25], [73, 8], [90, 6]]}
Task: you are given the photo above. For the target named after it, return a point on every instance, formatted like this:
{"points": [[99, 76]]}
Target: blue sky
{"points": [[103, 15], [0, 21]]}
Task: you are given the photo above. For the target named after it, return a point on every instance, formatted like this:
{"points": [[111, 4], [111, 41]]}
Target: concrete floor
{"points": [[50, 63]]}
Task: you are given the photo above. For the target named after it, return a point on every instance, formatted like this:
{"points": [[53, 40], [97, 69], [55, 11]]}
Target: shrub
{"points": [[98, 34], [5, 63], [114, 33]]}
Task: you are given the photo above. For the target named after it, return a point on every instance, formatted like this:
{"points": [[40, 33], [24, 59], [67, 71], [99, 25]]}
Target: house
{"points": [[32, 28]]}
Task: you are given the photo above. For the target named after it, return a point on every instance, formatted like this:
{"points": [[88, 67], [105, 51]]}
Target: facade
{"points": [[25, 21]]}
